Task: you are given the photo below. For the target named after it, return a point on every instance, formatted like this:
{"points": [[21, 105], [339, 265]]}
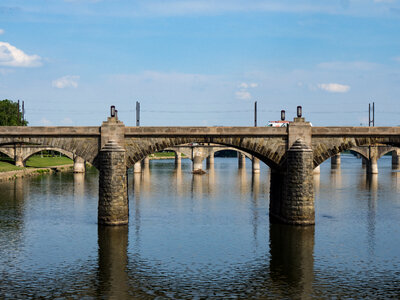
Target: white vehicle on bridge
{"points": [[278, 123]]}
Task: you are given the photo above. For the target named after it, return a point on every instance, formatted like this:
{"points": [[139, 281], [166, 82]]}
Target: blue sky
{"points": [[201, 62]]}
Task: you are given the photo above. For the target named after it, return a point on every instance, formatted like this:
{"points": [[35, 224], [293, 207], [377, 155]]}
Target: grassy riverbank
{"points": [[35, 161], [164, 154]]}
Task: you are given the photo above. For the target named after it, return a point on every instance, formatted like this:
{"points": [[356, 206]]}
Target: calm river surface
{"points": [[196, 237]]}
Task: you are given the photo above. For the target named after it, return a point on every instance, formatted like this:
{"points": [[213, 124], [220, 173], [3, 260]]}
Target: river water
{"points": [[201, 236]]}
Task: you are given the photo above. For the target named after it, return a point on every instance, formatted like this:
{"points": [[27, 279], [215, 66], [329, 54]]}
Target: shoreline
{"points": [[10, 175]]}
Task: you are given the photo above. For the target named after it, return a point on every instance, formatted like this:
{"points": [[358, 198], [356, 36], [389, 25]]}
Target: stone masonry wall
{"points": [[113, 196]]}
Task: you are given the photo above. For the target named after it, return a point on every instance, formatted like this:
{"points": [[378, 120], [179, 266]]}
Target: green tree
{"points": [[9, 114]]}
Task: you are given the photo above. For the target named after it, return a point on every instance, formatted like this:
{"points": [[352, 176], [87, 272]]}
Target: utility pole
{"points": [[19, 116], [137, 113], [255, 114], [23, 112], [371, 120]]}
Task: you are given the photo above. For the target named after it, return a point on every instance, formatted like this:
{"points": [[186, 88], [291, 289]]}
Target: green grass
{"points": [[6, 165], [164, 154], [42, 162]]}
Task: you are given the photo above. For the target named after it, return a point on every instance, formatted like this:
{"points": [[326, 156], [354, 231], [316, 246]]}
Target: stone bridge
{"points": [[292, 153]]}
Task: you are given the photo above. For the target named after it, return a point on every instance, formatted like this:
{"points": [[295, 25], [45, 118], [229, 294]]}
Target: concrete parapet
{"points": [[113, 196]]}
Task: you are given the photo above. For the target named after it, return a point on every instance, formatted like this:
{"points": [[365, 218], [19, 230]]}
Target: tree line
{"points": [[11, 114]]}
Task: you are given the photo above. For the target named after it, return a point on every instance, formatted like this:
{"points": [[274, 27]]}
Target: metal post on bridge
{"points": [[137, 167]]}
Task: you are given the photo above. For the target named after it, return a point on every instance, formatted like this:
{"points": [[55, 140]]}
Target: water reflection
{"points": [[336, 177], [292, 260], [112, 275], [197, 186], [242, 182], [79, 186], [395, 176]]}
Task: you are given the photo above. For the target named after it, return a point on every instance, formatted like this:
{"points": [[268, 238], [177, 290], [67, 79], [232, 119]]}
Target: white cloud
{"points": [[45, 122], [397, 58], [68, 81], [243, 95], [1, 31], [334, 87], [11, 56]]}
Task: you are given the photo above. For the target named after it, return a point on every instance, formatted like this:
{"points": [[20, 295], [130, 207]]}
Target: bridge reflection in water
{"points": [[194, 236]]}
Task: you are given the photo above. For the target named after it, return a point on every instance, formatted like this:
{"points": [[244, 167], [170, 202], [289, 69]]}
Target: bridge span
{"points": [[292, 153]]}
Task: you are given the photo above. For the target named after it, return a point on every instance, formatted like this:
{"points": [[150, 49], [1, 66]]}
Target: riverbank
{"points": [[35, 165], [24, 172]]}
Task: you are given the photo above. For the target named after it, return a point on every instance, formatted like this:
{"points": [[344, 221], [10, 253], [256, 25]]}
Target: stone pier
{"points": [[396, 159], [137, 167], [317, 170], [335, 161], [113, 196], [241, 160], [372, 165], [178, 159], [292, 187], [255, 163], [197, 162], [146, 162], [79, 165], [210, 161], [19, 158]]}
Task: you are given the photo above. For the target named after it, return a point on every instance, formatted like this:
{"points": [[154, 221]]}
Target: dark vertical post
{"points": [[369, 114], [19, 116], [373, 114], [23, 112], [255, 114], [137, 113]]}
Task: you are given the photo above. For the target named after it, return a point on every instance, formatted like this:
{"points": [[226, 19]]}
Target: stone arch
{"points": [[233, 149], [87, 147], [324, 148], [271, 151], [8, 153], [33, 151]]}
